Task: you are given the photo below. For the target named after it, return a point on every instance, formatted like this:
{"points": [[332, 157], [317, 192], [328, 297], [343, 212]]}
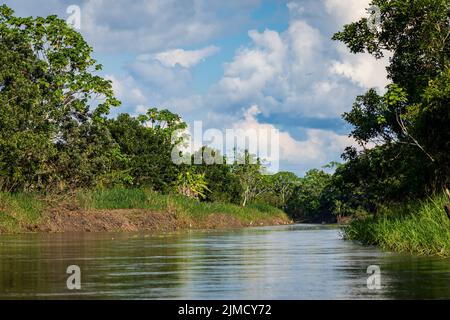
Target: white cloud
{"points": [[127, 89], [295, 8], [317, 149], [272, 67], [185, 58], [159, 80], [252, 69], [140, 109], [154, 25], [284, 72], [362, 69], [344, 12]]}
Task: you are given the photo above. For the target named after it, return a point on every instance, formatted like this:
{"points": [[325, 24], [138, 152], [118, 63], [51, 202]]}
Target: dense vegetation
{"points": [[417, 227], [56, 136], [405, 132]]}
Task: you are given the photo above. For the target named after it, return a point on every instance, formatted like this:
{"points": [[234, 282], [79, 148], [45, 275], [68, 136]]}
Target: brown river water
{"points": [[284, 262]]}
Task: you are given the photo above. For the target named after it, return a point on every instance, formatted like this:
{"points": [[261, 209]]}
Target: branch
{"points": [[405, 131]]}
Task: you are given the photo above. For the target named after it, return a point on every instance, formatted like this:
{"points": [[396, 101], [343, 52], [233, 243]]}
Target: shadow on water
{"points": [[289, 262]]}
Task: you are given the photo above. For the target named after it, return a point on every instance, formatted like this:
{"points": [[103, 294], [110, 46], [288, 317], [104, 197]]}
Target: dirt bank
{"points": [[132, 220]]}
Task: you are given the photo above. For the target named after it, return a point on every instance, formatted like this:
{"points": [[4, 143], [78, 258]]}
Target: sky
{"points": [[233, 64]]}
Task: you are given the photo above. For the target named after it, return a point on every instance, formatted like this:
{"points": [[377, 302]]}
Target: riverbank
{"points": [[118, 210], [421, 228]]}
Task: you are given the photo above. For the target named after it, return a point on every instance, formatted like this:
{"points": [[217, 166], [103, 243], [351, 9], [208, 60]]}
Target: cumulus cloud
{"points": [[155, 25], [252, 69], [184, 58], [285, 72], [295, 8], [344, 12], [290, 75], [362, 69], [318, 148], [126, 89], [160, 80]]}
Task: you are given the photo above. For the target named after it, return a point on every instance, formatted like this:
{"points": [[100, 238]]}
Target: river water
{"points": [[288, 262]]}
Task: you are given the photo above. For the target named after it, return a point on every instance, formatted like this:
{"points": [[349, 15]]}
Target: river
{"points": [[287, 262]]}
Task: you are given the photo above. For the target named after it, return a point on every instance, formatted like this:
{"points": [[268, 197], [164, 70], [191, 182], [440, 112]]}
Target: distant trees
{"points": [[307, 202], [55, 136], [284, 185], [248, 171]]}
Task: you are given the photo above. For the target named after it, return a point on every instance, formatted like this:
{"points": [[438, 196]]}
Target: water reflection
{"points": [[293, 262]]}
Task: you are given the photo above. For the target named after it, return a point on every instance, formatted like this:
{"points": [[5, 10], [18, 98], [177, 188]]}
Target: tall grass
{"points": [[420, 228], [118, 198], [19, 210]]}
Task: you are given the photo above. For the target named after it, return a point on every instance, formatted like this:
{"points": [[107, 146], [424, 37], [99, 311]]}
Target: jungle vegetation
{"points": [[56, 134]]}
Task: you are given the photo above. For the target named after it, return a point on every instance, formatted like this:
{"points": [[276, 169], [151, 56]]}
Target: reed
{"points": [[420, 227]]}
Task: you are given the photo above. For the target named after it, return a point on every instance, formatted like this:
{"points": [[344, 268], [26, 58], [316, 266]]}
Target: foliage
{"points": [[19, 210], [51, 105], [307, 201], [224, 186], [283, 186], [192, 185], [404, 133], [248, 170], [146, 145], [415, 32]]}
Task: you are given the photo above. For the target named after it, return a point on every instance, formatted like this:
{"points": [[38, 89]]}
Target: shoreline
{"points": [[141, 210], [419, 227], [138, 220]]}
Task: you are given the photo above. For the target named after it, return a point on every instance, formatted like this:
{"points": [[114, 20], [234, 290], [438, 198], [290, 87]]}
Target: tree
{"points": [[409, 123], [223, 184], [416, 33], [307, 201], [283, 185], [146, 141], [48, 94], [248, 171]]}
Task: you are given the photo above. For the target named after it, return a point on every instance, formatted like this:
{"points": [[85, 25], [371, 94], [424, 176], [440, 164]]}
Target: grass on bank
{"points": [[112, 199], [421, 228], [17, 211]]}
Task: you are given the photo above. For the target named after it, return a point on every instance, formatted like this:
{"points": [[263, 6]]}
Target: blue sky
{"points": [[233, 64]]}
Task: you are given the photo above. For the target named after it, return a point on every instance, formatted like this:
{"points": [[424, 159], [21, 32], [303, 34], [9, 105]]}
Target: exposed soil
{"points": [[68, 219]]}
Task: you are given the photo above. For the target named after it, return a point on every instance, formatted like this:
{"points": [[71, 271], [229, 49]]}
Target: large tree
{"points": [[51, 106], [146, 143], [409, 123]]}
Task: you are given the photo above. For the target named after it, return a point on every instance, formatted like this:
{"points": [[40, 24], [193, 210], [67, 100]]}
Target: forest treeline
{"points": [[55, 133], [56, 136]]}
